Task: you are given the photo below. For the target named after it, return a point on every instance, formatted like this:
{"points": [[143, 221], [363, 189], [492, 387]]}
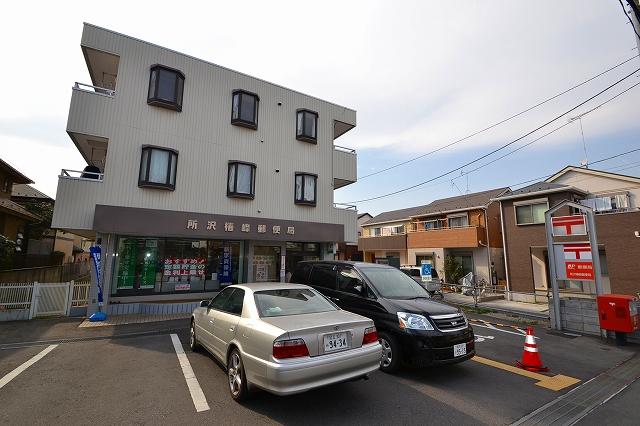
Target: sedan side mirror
{"points": [[204, 303]]}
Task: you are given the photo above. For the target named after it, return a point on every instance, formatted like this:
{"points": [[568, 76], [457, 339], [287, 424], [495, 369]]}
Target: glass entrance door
{"points": [[266, 264]]}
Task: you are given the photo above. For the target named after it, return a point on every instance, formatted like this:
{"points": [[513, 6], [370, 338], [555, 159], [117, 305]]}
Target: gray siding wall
{"points": [[205, 139]]}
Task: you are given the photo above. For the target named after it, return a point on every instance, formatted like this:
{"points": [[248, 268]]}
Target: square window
{"points": [[305, 189], [158, 167], [244, 109], [529, 214], [166, 87], [307, 125], [241, 179]]}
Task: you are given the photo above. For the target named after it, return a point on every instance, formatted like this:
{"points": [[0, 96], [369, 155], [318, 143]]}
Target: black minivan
{"points": [[412, 329]]}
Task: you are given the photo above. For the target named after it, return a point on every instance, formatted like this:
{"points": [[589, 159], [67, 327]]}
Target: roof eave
{"points": [[543, 192]]}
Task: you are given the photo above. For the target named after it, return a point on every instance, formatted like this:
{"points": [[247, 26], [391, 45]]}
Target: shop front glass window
{"points": [[167, 265]]}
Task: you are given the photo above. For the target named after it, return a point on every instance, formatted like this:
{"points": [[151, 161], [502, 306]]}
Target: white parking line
{"points": [[195, 390], [500, 330], [16, 371]]}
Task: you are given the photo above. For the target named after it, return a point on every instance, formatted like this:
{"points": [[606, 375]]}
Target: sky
{"points": [[419, 74]]}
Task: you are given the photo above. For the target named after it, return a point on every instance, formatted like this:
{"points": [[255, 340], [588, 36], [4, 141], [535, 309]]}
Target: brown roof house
{"points": [[466, 228], [14, 218], [615, 199]]}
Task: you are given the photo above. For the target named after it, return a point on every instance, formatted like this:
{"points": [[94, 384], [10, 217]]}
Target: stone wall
{"points": [[579, 315]]}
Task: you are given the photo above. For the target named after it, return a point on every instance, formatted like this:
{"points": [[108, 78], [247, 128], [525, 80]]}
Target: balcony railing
{"points": [[468, 236], [344, 149], [419, 227], [94, 89], [81, 175], [343, 206]]}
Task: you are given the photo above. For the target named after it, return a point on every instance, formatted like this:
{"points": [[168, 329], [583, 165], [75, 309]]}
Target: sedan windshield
{"points": [[277, 303], [393, 284]]}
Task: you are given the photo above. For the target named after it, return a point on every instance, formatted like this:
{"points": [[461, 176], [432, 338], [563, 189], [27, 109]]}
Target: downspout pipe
{"points": [[486, 228], [504, 250]]}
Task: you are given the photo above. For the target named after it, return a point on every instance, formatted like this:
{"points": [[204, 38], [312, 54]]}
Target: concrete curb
{"points": [[530, 315]]}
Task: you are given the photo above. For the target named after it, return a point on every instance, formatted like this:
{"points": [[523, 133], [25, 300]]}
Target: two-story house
{"points": [[466, 228], [615, 200], [384, 237], [198, 175], [14, 218]]}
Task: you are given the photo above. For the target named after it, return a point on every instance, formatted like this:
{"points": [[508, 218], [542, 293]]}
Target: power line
{"points": [[549, 133], [593, 162], [500, 147], [499, 122]]}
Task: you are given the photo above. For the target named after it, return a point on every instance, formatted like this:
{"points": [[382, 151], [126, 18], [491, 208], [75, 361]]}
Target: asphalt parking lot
{"points": [[139, 380]]}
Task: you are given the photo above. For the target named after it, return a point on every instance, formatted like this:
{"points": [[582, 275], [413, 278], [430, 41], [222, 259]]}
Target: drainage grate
{"points": [[19, 345], [576, 404]]}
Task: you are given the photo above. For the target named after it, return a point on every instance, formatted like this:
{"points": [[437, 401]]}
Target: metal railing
{"points": [[80, 295], [15, 296], [81, 175], [94, 89], [343, 206], [20, 295], [413, 227], [344, 149]]}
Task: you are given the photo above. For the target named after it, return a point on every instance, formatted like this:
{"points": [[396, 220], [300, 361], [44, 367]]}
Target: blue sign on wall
{"points": [[224, 274]]}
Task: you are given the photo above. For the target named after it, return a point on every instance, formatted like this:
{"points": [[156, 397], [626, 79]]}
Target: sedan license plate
{"points": [[335, 342], [460, 349]]}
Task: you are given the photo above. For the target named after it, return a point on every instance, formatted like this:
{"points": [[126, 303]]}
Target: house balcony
{"points": [[387, 241], [345, 166], [91, 115], [446, 237], [347, 215], [76, 198]]}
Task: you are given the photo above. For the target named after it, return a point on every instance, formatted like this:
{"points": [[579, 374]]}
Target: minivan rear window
{"points": [[301, 273], [323, 276], [277, 303]]}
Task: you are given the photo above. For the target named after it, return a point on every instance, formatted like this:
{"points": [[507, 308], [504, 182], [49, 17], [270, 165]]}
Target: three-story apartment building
{"points": [[199, 175]]}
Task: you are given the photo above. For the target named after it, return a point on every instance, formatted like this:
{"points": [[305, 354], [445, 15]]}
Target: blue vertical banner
{"points": [[96, 256], [224, 274]]}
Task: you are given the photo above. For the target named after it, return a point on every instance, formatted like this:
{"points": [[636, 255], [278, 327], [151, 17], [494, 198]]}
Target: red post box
{"points": [[618, 312]]}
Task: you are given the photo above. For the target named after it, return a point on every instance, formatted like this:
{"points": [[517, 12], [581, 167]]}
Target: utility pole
{"points": [[635, 18]]}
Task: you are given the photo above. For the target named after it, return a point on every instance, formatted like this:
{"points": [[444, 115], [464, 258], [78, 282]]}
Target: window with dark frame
{"points": [[306, 185], [244, 109], [158, 167], [307, 126], [241, 179], [166, 86]]}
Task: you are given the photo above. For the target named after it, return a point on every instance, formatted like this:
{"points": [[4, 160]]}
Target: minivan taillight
{"points": [[289, 349], [370, 336]]}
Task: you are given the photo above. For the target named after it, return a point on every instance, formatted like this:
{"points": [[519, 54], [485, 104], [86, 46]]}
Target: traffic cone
{"points": [[530, 357]]}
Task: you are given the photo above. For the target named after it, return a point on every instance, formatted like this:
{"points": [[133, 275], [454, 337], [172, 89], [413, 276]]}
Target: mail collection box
{"points": [[618, 312]]}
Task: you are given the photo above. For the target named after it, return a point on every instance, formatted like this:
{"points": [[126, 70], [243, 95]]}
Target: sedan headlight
{"points": [[414, 321]]}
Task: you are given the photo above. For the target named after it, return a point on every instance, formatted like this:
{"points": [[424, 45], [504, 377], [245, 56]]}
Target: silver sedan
{"points": [[283, 338]]}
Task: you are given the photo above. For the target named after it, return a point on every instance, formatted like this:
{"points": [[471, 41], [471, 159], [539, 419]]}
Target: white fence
{"points": [[42, 299]]}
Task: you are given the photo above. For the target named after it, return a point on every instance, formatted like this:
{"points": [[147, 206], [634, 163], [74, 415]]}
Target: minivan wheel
{"points": [[193, 342], [237, 377], [390, 360]]}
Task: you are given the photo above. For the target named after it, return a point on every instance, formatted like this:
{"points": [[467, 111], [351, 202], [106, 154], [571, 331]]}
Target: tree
{"points": [[7, 250], [44, 210], [453, 269]]}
